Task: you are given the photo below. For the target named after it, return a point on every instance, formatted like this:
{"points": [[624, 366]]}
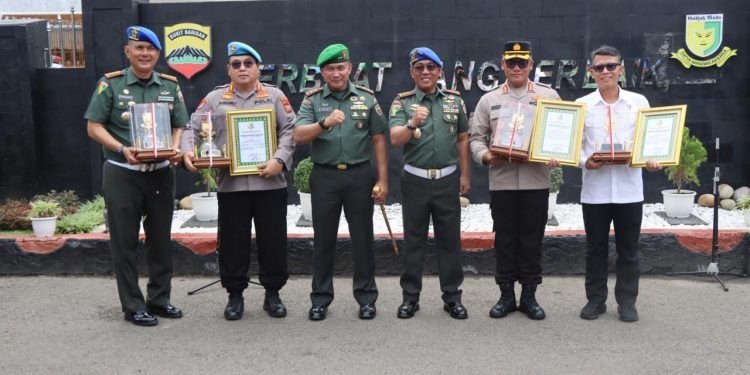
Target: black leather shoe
{"points": [[235, 308], [592, 310], [529, 305], [274, 307], [456, 309], [367, 311], [407, 309], [628, 313], [165, 311], [141, 318], [503, 307], [317, 312]]}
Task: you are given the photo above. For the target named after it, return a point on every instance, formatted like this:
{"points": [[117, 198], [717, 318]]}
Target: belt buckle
{"points": [[432, 173], [341, 167]]}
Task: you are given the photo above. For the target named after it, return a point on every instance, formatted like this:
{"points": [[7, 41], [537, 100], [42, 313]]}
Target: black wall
{"points": [[294, 32]]}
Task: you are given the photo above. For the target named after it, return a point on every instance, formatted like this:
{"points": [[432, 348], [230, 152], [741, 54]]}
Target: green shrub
{"points": [[44, 208], [14, 215], [68, 200], [302, 175], [89, 216], [743, 204], [692, 155], [555, 179], [208, 179]]}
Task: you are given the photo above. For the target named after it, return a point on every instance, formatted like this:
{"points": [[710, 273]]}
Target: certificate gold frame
{"points": [[572, 112], [668, 154], [248, 147]]}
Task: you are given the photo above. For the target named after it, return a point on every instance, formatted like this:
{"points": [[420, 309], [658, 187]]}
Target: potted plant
{"points": [[743, 204], [679, 202], [43, 216], [205, 204], [556, 180], [302, 184]]}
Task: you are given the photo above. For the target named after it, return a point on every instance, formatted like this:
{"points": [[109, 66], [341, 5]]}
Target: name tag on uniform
{"points": [[125, 97], [263, 101], [325, 109], [165, 98], [450, 108]]}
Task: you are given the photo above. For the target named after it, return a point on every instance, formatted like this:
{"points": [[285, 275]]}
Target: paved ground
{"points": [[72, 325]]}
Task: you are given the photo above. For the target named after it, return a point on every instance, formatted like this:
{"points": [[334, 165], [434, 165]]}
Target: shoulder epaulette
{"points": [[454, 92], [313, 92], [168, 77], [220, 86], [365, 89], [267, 84], [406, 94], [114, 74]]}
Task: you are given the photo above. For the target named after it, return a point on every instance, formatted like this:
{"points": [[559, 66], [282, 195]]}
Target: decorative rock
{"points": [[706, 200], [725, 191], [186, 203], [728, 204], [741, 192], [464, 201]]}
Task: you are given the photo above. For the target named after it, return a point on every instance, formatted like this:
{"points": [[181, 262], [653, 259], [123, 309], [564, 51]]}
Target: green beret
{"points": [[335, 53]]}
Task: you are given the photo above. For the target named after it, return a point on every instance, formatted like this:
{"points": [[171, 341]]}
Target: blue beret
{"points": [[424, 53], [142, 34], [239, 49]]}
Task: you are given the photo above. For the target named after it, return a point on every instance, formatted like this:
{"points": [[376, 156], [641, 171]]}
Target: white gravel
{"points": [[477, 218]]}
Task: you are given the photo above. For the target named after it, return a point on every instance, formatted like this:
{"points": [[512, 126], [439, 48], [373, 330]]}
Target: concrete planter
{"points": [[678, 205], [552, 204], [44, 226], [205, 207], [747, 217]]}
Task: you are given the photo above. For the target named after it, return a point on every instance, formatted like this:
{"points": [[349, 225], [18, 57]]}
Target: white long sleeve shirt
{"points": [[610, 183]]}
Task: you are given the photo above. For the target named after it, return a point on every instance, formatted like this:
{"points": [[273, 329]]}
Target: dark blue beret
{"points": [[142, 34], [424, 53]]}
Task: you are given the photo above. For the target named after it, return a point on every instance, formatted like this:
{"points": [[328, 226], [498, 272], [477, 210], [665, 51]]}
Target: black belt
{"points": [[341, 166]]}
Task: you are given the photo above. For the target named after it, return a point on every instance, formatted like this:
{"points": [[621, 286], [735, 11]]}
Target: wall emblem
{"points": [[187, 48], [703, 37]]}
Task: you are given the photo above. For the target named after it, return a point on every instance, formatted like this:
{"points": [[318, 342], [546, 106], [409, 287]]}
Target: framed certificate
{"points": [[558, 128], [658, 135], [251, 139]]}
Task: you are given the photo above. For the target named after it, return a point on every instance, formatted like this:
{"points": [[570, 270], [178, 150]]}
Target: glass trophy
{"points": [[209, 140], [512, 134], [612, 145], [151, 132]]}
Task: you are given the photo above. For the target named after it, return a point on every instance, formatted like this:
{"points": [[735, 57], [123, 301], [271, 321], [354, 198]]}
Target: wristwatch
{"points": [[322, 125], [410, 126], [281, 161]]}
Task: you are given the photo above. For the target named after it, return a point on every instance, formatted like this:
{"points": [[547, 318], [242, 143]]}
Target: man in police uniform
{"points": [[244, 200], [341, 120], [133, 190], [432, 125], [518, 190]]}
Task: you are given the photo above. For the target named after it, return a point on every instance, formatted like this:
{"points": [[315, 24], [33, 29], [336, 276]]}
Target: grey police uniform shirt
{"points": [[226, 98], [508, 176]]}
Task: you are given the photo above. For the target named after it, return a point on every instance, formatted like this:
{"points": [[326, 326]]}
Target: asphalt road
{"points": [[73, 325]]}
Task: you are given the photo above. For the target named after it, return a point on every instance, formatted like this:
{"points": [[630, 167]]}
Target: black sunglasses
{"points": [[600, 68], [428, 67], [522, 64], [236, 64]]}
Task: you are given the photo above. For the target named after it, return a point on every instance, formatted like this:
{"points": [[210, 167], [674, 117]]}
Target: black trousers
{"points": [[519, 218], [129, 197], [238, 211], [331, 190], [424, 198], [627, 223]]}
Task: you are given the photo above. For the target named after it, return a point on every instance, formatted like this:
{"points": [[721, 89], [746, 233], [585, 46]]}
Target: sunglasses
{"points": [[236, 64], [521, 64], [600, 68], [422, 67]]}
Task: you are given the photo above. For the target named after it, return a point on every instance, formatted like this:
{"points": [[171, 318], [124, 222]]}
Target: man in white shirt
{"points": [[611, 193]]}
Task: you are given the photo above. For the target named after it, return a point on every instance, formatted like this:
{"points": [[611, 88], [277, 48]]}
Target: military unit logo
{"points": [[187, 48], [703, 37]]}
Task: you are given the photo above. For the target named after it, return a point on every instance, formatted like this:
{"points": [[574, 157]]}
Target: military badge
{"points": [[187, 48], [102, 86], [131, 103], [353, 98], [125, 116], [287, 106], [703, 37], [125, 91]]}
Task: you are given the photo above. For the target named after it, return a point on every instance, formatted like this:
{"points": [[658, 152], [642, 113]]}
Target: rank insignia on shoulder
{"points": [[313, 91], [454, 92], [168, 77], [365, 89], [114, 74], [406, 94]]}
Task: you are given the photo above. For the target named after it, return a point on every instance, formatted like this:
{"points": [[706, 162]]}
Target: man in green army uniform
{"points": [[341, 121], [135, 190], [432, 125]]}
